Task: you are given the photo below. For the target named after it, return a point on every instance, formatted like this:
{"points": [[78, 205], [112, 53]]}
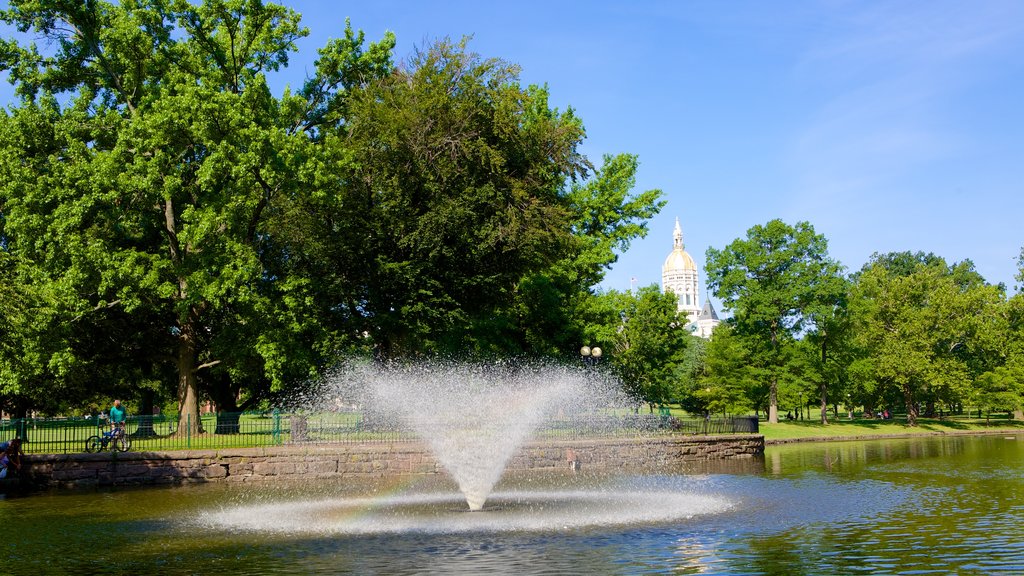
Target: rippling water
{"points": [[926, 506]]}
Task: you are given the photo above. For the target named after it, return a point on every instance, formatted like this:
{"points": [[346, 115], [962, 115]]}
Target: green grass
{"points": [[806, 429]]}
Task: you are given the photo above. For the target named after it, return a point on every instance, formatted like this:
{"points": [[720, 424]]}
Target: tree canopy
{"points": [[168, 224], [771, 281]]}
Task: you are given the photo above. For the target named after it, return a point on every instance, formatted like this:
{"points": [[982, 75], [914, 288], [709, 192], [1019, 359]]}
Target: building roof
{"points": [[679, 260], [708, 311]]}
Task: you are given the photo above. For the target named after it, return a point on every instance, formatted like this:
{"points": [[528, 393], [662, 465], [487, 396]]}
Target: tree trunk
{"points": [[773, 391], [225, 396], [21, 415], [908, 399], [824, 384], [188, 393], [824, 404], [145, 416]]}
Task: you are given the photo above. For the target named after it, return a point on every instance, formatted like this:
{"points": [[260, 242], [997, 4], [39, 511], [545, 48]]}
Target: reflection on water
{"points": [[941, 505]]}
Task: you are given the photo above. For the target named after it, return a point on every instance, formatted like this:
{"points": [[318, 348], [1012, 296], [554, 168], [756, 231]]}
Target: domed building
{"points": [[679, 275]]}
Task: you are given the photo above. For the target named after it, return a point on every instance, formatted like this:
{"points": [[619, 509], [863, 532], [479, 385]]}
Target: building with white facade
{"points": [[679, 275]]}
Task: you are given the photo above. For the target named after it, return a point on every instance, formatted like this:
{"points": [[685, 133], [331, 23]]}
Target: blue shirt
{"points": [[117, 414]]}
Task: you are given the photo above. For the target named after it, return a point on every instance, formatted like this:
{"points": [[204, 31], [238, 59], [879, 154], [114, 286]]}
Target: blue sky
{"points": [[887, 125]]}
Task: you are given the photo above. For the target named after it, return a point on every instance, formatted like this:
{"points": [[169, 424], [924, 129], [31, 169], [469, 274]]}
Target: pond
{"points": [[916, 506]]}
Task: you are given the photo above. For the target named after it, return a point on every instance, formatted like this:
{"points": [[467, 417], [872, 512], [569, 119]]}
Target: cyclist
{"points": [[117, 417]]}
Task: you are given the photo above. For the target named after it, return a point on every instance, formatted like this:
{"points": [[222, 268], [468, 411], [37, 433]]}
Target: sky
{"points": [[889, 126]]}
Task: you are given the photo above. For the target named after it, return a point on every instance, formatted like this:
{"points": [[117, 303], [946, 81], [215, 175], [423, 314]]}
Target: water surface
{"points": [[917, 506]]}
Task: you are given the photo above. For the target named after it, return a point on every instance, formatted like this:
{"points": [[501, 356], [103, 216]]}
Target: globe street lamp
{"points": [[590, 356]]}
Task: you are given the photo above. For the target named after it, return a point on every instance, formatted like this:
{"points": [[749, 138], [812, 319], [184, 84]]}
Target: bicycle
{"points": [[117, 439]]}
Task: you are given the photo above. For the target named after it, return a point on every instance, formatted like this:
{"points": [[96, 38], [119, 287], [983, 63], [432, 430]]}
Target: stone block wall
{"points": [[324, 461]]}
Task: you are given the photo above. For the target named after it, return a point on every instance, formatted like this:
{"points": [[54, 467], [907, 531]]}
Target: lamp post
{"points": [[590, 356]]}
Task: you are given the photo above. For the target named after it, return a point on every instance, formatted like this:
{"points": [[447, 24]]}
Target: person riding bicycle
{"points": [[117, 418]]}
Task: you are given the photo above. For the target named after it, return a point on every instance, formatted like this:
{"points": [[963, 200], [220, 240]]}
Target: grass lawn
{"points": [[795, 430]]}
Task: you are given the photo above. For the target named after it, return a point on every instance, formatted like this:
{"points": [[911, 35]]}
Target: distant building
{"points": [[679, 275]]}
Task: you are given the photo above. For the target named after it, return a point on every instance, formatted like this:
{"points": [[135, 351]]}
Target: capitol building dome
{"points": [[679, 275]]}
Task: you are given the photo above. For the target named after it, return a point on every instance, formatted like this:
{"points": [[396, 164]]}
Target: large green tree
{"points": [[827, 337], [449, 192], [919, 326], [1001, 386], [467, 220], [732, 380], [142, 166], [771, 281], [231, 242], [649, 344]]}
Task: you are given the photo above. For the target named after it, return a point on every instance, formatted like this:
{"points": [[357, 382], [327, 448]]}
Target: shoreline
{"points": [[894, 436]]}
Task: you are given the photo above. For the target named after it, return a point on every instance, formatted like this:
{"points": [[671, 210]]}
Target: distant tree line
{"points": [[908, 332]]}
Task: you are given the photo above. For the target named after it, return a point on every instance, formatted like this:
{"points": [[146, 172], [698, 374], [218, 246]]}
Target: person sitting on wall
{"points": [[10, 458]]}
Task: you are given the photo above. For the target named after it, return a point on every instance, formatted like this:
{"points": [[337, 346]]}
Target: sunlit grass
{"points": [[805, 429]]}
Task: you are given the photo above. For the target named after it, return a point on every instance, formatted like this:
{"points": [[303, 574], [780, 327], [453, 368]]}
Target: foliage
{"points": [[555, 310], [1002, 388], [649, 345], [917, 326], [732, 381], [141, 170], [687, 391], [774, 282], [168, 226]]}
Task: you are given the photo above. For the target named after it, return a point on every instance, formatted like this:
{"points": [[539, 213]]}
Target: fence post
{"points": [[188, 431], [277, 428]]}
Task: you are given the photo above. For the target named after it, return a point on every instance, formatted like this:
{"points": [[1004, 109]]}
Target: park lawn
{"points": [[843, 428]]}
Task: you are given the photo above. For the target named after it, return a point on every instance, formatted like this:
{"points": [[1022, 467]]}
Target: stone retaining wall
{"points": [[324, 461]]}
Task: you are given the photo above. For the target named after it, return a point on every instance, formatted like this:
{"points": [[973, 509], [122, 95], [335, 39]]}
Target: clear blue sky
{"points": [[887, 125]]}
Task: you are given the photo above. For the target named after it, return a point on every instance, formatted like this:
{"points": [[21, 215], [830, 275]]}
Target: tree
{"points": [[650, 346], [771, 280], [466, 223], [916, 325], [692, 371], [144, 164], [1001, 386], [732, 380], [827, 334], [1003, 389], [453, 194]]}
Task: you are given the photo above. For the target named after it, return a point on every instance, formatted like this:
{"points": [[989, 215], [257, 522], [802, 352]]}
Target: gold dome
{"points": [[679, 259]]}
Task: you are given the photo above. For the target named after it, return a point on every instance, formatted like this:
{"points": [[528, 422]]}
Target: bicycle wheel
{"points": [[93, 444], [123, 443]]}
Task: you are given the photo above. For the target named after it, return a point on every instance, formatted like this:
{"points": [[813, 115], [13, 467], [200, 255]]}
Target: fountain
{"points": [[474, 418]]}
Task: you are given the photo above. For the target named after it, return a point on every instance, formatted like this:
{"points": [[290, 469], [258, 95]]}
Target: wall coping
{"points": [[331, 448]]}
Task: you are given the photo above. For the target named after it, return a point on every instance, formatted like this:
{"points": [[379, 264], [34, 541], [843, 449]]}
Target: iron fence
{"points": [[274, 428]]}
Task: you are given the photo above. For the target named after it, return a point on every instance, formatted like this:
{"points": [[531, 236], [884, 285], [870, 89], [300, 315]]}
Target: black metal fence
{"points": [[243, 430]]}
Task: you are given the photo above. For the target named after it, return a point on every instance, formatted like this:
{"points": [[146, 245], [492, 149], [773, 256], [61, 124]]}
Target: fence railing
{"points": [[249, 429]]}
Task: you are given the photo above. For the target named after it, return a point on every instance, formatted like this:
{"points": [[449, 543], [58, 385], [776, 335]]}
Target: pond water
{"points": [[938, 505]]}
